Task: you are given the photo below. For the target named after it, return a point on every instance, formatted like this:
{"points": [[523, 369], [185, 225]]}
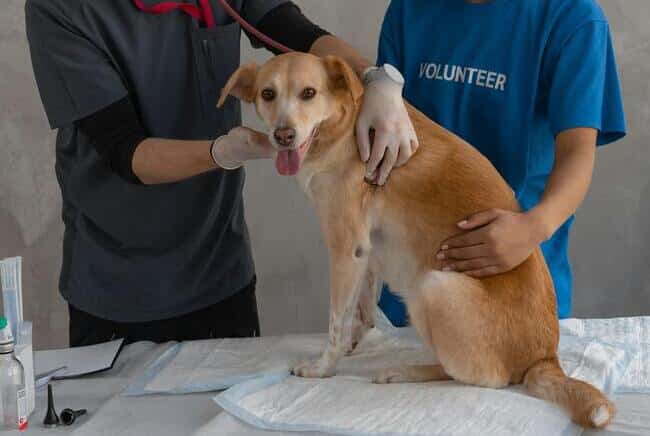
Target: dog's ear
{"points": [[342, 77], [241, 84]]}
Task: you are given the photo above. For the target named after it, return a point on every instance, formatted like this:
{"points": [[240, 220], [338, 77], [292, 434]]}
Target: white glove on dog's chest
{"points": [[384, 111]]}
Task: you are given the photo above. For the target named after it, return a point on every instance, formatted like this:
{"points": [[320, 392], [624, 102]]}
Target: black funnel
{"points": [[51, 418]]}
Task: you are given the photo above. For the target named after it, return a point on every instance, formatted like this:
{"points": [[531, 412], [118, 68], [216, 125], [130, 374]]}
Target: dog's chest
{"points": [[390, 254]]}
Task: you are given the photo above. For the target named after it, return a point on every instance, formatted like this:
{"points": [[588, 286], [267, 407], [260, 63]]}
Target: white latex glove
{"points": [[395, 141], [239, 145]]}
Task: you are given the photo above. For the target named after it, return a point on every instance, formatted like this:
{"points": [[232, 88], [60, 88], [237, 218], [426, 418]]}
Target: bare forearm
{"points": [[569, 181], [331, 45], [158, 161]]}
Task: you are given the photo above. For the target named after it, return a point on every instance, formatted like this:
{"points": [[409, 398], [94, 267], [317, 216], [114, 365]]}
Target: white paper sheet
{"points": [[79, 361], [210, 365]]}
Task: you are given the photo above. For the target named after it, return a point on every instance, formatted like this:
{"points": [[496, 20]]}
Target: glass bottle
{"points": [[13, 398]]}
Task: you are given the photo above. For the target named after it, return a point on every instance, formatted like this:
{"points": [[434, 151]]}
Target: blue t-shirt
{"points": [[508, 76]]}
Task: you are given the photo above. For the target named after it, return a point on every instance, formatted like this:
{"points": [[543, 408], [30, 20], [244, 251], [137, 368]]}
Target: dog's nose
{"points": [[285, 136]]}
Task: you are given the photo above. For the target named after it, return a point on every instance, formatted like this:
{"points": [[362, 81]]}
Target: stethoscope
{"points": [[203, 13]]}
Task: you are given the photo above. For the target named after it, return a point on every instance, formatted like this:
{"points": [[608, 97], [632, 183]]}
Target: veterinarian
{"points": [[533, 85], [155, 244]]}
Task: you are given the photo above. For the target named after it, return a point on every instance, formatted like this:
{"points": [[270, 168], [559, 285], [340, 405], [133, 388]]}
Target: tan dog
{"points": [[491, 332]]}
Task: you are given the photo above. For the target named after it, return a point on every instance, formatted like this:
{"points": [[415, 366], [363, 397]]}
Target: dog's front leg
{"points": [[364, 317], [346, 274]]}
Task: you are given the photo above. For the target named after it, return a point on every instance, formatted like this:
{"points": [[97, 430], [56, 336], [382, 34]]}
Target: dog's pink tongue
{"points": [[288, 162]]}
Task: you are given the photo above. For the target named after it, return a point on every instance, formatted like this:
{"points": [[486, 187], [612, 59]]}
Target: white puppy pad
{"points": [[630, 334], [203, 366], [594, 362], [352, 406]]}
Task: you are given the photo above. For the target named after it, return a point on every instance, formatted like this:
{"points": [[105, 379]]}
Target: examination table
{"points": [[112, 414]]}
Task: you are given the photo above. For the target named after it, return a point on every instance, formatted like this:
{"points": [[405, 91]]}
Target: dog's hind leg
{"points": [[419, 317], [411, 374], [466, 349]]}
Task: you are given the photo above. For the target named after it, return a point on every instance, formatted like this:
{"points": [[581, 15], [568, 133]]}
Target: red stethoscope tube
{"points": [[259, 35], [203, 12]]}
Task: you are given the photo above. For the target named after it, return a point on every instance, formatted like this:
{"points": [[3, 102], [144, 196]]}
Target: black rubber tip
{"points": [[51, 418], [69, 416]]}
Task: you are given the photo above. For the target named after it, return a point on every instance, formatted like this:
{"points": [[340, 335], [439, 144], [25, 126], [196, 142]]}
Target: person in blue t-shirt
{"points": [[533, 85]]}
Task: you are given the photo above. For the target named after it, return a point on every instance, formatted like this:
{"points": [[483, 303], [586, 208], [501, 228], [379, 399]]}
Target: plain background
{"points": [[610, 244]]}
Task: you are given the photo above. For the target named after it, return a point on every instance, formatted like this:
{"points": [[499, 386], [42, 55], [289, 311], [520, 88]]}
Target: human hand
{"points": [[395, 141], [493, 242], [239, 145]]}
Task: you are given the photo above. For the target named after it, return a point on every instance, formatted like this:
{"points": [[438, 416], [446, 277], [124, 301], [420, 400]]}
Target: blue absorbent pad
{"points": [[137, 387], [217, 364]]}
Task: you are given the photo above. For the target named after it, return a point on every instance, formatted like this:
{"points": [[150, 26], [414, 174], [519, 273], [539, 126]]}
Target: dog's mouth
{"points": [[288, 162]]}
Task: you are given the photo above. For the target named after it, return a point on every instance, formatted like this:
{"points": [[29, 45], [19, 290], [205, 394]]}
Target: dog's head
{"points": [[295, 94]]}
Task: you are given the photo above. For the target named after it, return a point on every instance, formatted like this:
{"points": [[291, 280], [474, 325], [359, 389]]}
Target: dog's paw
{"points": [[389, 375], [313, 369]]}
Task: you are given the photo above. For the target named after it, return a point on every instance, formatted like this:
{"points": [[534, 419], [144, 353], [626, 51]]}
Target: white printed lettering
{"points": [[464, 74], [460, 74], [501, 82], [438, 72], [423, 69], [451, 69], [431, 71], [471, 75], [491, 79], [480, 79]]}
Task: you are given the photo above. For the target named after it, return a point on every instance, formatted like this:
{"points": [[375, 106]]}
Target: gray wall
{"points": [[611, 241]]}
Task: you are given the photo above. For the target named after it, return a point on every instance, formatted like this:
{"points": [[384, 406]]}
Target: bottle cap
{"points": [[6, 338]]}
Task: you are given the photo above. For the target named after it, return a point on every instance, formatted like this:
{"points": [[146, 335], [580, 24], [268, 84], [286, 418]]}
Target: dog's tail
{"points": [[587, 405]]}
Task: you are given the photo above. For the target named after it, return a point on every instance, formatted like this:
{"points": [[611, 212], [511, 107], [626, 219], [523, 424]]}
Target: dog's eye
{"points": [[268, 94], [308, 93]]}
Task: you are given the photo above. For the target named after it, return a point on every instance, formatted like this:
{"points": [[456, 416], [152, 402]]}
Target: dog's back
{"points": [[446, 163]]}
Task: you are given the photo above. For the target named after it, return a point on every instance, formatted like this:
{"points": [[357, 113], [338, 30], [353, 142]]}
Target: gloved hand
{"points": [[239, 145], [395, 141]]}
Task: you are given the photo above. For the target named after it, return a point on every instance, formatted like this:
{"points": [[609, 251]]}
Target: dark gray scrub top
{"points": [[140, 253]]}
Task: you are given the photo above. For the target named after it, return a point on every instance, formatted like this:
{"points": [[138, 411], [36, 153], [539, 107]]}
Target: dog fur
{"points": [[491, 332]]}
